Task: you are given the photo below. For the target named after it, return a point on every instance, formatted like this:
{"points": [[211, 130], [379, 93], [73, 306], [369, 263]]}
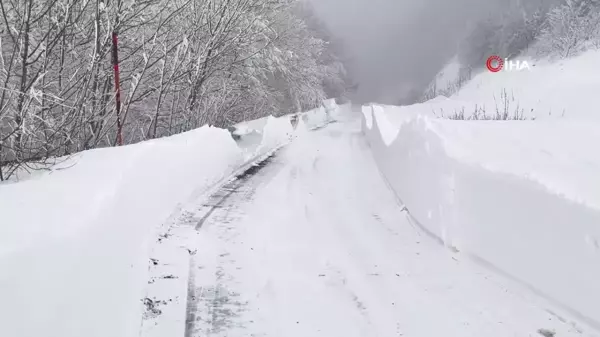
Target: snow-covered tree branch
{"points": [[183, 64]]}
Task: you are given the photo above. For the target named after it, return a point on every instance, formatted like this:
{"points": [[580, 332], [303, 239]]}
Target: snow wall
{"points": [[74, 241], [518, 224]]}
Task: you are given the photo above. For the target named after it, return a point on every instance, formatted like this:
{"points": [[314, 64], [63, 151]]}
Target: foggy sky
{"points": [[398, 45]]}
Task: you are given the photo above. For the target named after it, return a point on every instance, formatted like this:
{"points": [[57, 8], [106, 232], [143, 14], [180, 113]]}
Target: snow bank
{"points": [[73, 256], [74, 243], [522, 197], [268, 132], [275, 132], [320, 116]]}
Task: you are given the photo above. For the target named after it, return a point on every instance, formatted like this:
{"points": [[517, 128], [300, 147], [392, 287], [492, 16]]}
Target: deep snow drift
{"points": [[74, 242], [521, 197]]}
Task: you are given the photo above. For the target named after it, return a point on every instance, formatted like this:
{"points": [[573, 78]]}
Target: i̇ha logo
{"points": [[496, 63]]}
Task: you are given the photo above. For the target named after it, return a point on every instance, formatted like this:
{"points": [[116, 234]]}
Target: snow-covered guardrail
{"points": [[521, 197]]}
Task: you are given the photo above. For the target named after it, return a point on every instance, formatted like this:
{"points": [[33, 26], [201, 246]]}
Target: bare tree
{"points": [[183, 64], [571, 27]]}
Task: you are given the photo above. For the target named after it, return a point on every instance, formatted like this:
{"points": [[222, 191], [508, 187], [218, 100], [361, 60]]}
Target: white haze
{"points": [[397, 46]]}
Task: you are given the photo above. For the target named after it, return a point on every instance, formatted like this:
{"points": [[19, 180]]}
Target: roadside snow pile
{"points": [[74, 242], [268, 132], [387, 130], [522, 197], [322, 115], [552, 153], [275, 133]]}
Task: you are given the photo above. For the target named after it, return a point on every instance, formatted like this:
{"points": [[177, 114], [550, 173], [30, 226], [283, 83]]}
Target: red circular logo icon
{"points": [[495, 63]]}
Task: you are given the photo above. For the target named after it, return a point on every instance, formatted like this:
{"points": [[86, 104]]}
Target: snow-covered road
{"points": [[315, 244]]}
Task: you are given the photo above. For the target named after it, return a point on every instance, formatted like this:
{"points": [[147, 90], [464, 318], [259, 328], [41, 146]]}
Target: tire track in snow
{"points": [[215, 308]]}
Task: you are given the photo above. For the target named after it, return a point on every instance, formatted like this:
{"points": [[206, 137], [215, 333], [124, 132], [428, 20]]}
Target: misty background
{"points": [[396, 47]]}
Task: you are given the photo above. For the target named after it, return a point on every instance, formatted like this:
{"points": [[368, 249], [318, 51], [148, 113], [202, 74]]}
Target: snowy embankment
{"points": [[74, 242], [521, 197]]}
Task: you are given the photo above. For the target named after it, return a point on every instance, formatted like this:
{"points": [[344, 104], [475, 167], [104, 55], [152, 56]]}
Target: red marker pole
{"points": [[115, 60]]}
